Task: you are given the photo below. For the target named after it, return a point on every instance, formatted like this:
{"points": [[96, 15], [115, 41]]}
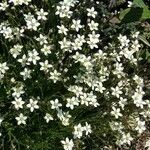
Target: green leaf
{"points": [[132, 14], [146, 13], [139, 3], [147, 54], [123, 13], [144, 40]]}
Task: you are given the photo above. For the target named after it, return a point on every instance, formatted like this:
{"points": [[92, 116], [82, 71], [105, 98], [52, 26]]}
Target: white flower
{"points": [[15, 51], [78, 131], [3, 6], [32, 23], [76, 25], [93, 25], [118, 69], [123, 40], [33, 56], [23, 60], [135, 46], [55, 76], [45, 66], [138, 99], [63, 116], [33, 105], [62, 29], [65, 44], [46, 49], [138, 80], [42, 39], [3, 67], [136, 34], [21, 119], [116, 112], [84, 99], [87, 128], [68, 144], [126, 138], [19, 2], [41, 14], [55, 104], [18, 91], [116, 91], [93, 40], [99, 87], [91, 12], [63, 11], [76, 90], [71, 102], [26, 73], [18, 102], [48, 117], [140, 126], [122, 102]]}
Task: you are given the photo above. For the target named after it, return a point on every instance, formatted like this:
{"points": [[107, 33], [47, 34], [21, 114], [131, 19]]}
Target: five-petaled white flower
{"points": [[68, 144], [48, 117], [33, 105], [116, 112], [55, 104], [21, 119], [91, 12], [18, 102]]}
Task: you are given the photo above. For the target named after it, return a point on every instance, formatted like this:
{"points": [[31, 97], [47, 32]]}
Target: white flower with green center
{"points": [[87, 128], [55, 104], [93, 40], [18, 103], [93, 25], [71, 102], [33, 105], [46, 49], [48, 117], [33, 56], [126, 138], [18, 91], [32, 24], [67, 144], [76, 25], [21, 119], [116, 112], [41, 14], [55, 76], [45, 66], [91, 12], [23, 60], [116, 91], [26, 73], [141, 126], [3, 67], [42, 39], [78, 131], [62, 29], [16, 50]]}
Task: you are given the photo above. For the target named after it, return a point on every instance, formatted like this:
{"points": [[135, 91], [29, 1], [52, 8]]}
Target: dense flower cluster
{"points": [[69, 54]]}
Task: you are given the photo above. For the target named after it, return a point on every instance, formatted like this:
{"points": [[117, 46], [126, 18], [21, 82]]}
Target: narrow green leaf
{"points": [[144, 40], [123, 13]]}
